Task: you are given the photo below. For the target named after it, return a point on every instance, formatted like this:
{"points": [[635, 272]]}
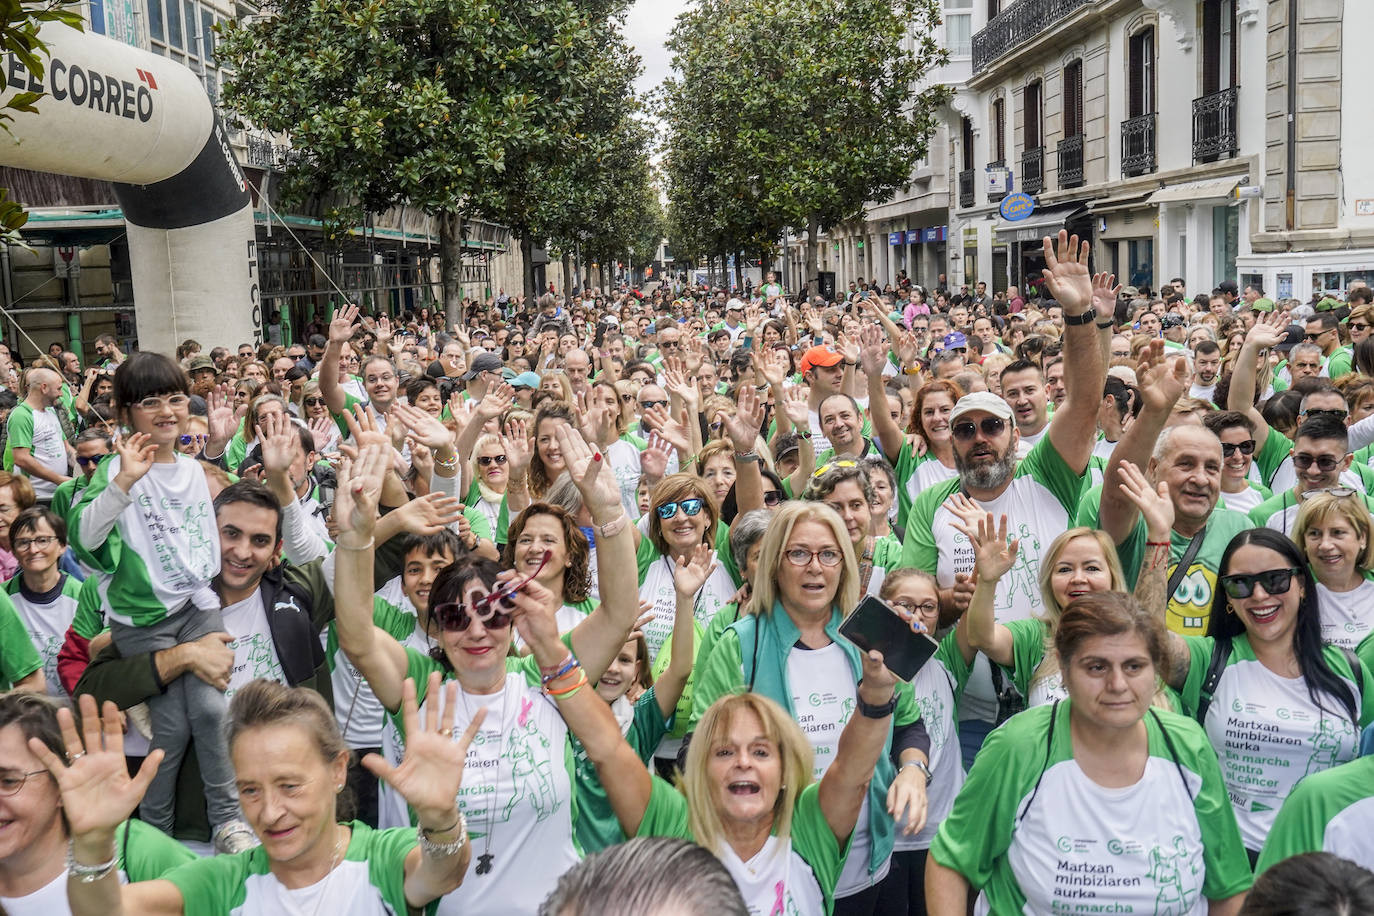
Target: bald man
{"points": [[35, 446]]}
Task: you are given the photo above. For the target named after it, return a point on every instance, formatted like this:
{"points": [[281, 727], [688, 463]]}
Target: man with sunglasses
{"points": [[91, 446], [1321, 463], [1038, 494]]}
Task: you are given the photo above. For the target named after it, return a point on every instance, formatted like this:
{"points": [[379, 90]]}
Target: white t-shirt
{"points": [[47, 626], [1347, 617], [1206, 392], [658, 589], [1243, 501], [767, 878], [1347, 834], [624, 461], [359, 713], [934, 690], [824, 696], [255, 654], [49, 449], [345, 891]]}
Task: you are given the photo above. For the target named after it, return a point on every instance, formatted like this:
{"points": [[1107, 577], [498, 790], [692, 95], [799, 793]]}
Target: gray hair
{"points": [[564, 494], [1304, 347], [647, 876], [1165, 443], [747, 530]]}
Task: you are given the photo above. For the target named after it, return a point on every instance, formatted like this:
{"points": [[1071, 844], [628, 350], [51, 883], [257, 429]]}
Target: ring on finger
{"points": [[446, 732], [73, 758]]}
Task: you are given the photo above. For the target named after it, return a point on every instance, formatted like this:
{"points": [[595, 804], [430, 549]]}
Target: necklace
{"points": [[489, 817], [333, 863]]}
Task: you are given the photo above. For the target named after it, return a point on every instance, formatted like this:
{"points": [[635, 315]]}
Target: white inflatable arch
{"points": [[118, 113]]}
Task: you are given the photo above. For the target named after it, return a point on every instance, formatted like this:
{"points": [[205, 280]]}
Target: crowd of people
{"points": [[540, 613]]}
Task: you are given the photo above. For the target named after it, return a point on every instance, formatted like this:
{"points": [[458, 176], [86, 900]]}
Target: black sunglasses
{"points": [[1246, 448], [314, 402], [455, 617], [1323, 462], [1337, 412], [1275, 582], [649, 404], [89, 460], [967, 429], [487, 460]]}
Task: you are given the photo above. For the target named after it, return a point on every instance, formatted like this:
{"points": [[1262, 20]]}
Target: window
{"points": [[1218, 45], [1073, 99], [156, 29], [193, 37], [1034, 137], [958, 28], [207, 37], [967, 142], [174, 36], [999, 136], [1141, 57], [992, 9]]}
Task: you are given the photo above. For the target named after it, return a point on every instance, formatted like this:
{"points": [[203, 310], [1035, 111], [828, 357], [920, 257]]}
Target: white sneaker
{"points": [[233, 837]]}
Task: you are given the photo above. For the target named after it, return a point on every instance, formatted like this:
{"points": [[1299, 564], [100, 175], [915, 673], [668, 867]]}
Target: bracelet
{"points": [[88, 874], [340, 545], [1158, 544], [1104, 325], [805, 435], [1076, 320], [568, 665], [913, 370], [930, 777], [437, 850], [746, 456], [881, 711], [447, 465], [552, 668], [565, 692], [614, 526]]}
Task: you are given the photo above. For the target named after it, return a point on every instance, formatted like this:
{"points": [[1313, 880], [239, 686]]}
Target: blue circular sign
{"points": [[1017, 206]]}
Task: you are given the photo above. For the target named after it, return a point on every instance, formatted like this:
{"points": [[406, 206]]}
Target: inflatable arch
{"points": [[117, 113]]}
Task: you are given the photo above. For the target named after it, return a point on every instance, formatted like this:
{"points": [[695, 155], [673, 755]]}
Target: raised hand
{"points": [[431, 772], [796, 406], [1105, 291], [97, 792], [1066, 272], [360, 487], [847, 348], [362, 426], [770, 365], [674, 431], [874, 349], [1154, 503], [1163, 379], [653, 461], [1268, 331], [421, 459], [279, 441], [136, 455], [591, 473], [342, 322], [323, 429], [429, 514], [519, 449], [220, 415], [743, 426], [425, 429], [993, 554], [679, 384], [692, 571]]}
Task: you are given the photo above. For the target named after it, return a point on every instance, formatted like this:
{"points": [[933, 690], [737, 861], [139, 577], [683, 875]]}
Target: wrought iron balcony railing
{"points": [[1138, 145], [1033, 170], [1071, 162], [1214, 126], [1016, 25]]}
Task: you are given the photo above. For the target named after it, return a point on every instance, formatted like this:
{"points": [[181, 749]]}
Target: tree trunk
{"points": [[739, 272], [527, 268], [567, 272], [451, 266], [813, 245]]}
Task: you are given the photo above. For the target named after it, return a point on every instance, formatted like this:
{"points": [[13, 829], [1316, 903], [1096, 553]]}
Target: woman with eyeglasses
{"points": [[518, 788], [1335, 535], [43, 595], [787, 647], [1095, 794], [845, 487], [1277, 703]]}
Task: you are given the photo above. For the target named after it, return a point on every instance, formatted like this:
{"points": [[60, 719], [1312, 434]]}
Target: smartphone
{"points": [[874, 624]]}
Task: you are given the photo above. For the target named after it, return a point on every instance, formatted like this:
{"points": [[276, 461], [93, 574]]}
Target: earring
{"points": [[338, 789]]}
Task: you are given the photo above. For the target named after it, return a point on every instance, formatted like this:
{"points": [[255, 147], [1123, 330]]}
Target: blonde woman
{"points": [[1334, 535], [554, 382]]}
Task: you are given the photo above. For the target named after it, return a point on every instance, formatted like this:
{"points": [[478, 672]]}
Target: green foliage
{"points": [[783, 112]]}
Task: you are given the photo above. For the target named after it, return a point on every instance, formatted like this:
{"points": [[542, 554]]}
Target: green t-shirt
{"points": [[18, 657], [66, 493], [370, 878], [1036, 835], [597, 826], [1268, 732], [89, 621], [1190, 605], [809, 871], [1330, 812], [1340, 362], [1280, 511], [1271, 456]]}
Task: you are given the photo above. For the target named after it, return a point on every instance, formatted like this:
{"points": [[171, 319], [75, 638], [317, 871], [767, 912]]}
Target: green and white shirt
{"points": [[46, 617], [643, 725], [1280, 511], [369, 881], [18, 657], [1038, 504], [1268, 732], [937, 688], [152, 549], [793, 876], [40, 432], [1330, 812], [1037, 836], [360, 714], [1347, 617], [656, 587]]}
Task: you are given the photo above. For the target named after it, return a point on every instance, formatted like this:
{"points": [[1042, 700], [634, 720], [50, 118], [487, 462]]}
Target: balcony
{"points": [[1016, 25], [967, 197], [1071, 162], [1033, 170], [1138, 145], [1214, 126]]}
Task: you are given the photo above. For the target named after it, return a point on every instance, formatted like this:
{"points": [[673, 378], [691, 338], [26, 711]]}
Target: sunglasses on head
{"points": [[486, 461], [1337, 412], [1338, 492], [1246, 448], [1274, 582], [688, 506], [967, 429], [455, 616]]}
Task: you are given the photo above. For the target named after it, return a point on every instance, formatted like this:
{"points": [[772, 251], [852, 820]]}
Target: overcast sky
{"points": [[647, 27]]}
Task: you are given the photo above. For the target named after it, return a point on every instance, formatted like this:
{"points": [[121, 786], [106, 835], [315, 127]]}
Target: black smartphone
{"points": [[600, 338], [874, 624]]}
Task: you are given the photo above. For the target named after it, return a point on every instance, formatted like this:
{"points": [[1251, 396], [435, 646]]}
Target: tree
{"points": [[430, 103], [808, 108]]}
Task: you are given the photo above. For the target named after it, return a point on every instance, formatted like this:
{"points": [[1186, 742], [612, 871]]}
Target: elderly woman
{"points": [[290, 764], [787, 647], [1335, 537], [520, 799]]}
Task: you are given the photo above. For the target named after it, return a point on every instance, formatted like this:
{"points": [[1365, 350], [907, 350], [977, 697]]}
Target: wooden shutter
{"points": [[1032, 115], [1073, 99]]}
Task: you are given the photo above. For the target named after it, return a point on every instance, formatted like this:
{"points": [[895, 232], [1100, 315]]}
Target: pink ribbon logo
{"points": [[526, 704], [778, 908]]}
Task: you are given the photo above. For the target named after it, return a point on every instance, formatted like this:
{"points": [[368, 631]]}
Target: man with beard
{"points": [[1038, 494], [1206, 370]]}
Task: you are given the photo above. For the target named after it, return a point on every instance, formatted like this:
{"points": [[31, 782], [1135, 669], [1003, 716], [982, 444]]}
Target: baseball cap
{"points": [[787, 445], [1328, 304], [735, 304], [1263, 305], [818, 356], [985, 401], [1130, 292], [485, 362], [1296, 335], [201, 362], [955, 340], [525, 380]]}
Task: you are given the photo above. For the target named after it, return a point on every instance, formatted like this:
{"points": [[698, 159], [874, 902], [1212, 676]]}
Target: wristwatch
{"points": [[1086, 317], [920, 765], [881, 711]]}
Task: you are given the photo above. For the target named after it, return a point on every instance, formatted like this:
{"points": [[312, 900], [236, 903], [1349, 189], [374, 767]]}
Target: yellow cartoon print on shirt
{"points": [[1191, 603]]}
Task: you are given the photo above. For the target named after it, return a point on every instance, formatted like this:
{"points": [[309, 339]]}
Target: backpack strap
{"points": [[1173, 753], [1356, 670], [1221, 654], [1044, 764]]}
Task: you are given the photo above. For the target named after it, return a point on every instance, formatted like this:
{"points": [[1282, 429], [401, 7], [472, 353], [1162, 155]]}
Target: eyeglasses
{"points": [[689, 507], [627, 399], [1358, 326], [924, 608], [486, 461], [41, 542], [1317, 335], [1338, 492], [800, 556], [1338, 412], [351, 360], [174, 401], [1229, 448], [314, 402], [967, 429], [11, 783], [455, 617], [1323, 462], [772, 498], [89, 460], [1274, 581], [647, 405], [832, 465]]}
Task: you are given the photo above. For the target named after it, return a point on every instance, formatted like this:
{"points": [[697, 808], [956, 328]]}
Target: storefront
{"points": [[1199, 232], [1307, 274]]}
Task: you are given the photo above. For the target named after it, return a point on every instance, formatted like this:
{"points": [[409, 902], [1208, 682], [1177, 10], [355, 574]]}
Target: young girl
{"points": [[145, 523]]}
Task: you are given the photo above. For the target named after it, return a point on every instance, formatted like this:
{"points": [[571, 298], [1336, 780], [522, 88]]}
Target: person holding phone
{"points": [[519, 792], [788, 647]]}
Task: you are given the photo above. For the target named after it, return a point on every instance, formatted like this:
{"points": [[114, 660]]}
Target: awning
{"points": [[1038, 225], [1121, 202], [1211, 189]]}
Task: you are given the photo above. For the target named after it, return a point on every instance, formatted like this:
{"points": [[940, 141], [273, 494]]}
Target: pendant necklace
{"points": [[489, 819]]}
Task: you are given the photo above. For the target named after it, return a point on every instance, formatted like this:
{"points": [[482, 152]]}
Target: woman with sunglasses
{"points": [[787, 647], [518, 794], [1096, 794], [1335, 535], [1240, 486], [1276, 702], [315, 414], [490, 472]]}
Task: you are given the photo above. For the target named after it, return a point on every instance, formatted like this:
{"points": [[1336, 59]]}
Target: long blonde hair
{"points": [[771, 561], [1049, 664], [794, 750]]}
